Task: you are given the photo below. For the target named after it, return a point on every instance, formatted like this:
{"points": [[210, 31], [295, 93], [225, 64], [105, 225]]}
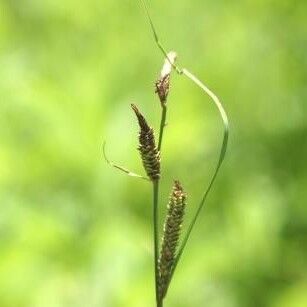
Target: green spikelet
{"points": [[147, 147], [172, 227]]}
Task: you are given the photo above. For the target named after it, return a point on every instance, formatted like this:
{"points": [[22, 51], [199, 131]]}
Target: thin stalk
{"points": [[156, 237], [121, 168], [162, 125], [219, 163], [156, 213]]}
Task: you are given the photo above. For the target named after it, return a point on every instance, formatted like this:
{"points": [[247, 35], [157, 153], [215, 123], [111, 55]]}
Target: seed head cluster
{"points": [[171, 233], [147, 147]]}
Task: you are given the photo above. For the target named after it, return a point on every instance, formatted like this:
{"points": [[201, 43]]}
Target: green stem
{"points": [[156, 236], [162, 125], [155, 213], [219, 163]]}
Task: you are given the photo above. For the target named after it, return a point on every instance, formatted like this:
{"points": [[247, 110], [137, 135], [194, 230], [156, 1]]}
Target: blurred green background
{"points": [[74, 232]]}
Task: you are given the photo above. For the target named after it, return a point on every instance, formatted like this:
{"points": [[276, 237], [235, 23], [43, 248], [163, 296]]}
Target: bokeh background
{"points": [[75, 232]]}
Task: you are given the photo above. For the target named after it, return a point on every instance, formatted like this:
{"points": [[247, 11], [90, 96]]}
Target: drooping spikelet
{"points": [[147, 147], [171, 233], [163, 83]]}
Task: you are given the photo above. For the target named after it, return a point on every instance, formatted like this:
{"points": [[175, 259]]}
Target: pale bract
{"points": [[167, 66]]}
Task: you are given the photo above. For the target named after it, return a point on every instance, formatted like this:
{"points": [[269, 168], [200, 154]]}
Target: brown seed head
{"points": [[171, 233], [163, 83], [147, 147]]}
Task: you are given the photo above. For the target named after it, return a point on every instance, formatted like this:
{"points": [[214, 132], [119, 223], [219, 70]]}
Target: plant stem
{"points": [[162, 125], [156, 236], [156, 213]]}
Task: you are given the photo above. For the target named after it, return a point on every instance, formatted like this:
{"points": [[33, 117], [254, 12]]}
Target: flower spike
{"points": [[147, 147]]}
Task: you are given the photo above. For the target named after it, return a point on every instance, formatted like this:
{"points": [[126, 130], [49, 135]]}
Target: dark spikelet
{"points": [[162, 85], [171, 233], [147, 147], [162, 88]]}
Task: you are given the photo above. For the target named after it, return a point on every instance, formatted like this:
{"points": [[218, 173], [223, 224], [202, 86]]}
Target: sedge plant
{"points": [[168, 250]]}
